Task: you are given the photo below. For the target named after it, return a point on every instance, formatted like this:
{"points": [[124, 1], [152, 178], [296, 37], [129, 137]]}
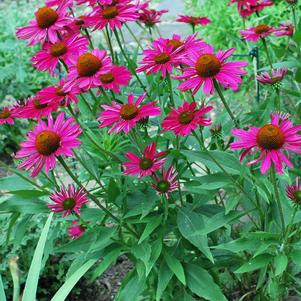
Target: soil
{"points": [[106, 287]]}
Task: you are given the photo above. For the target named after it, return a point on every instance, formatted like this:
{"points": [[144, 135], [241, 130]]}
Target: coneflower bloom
{"points": [[246, 11], [77, 24], [68, 3], [185, 119], [272, 79], [113, 16], [204, 67], [85, 74], [68, 200], [46, 142], [272, 141], [241, 4], [7, 116], [160, 58], [166, 182], [294, 192], [286, 29], [194, 20], [56, 94], [35, 107], [76, 231], [67, 50], [150, 17], [47, 24], [116, 77], [255, 33], [146, 164], [124, 117]]}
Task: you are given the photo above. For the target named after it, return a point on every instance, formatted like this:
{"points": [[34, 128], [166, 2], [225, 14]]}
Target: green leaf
{"points": [[296, 256], [2, 292], [23, 205], [150, 227], [113, 191], [108, 259], [201, 283], [14, 182], [175, 265], [189, 222], [280, 263], [164, 276], [255, 263], [31, 284], [66, 288]]}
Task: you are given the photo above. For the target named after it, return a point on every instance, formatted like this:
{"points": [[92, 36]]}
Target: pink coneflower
{"points": [[273, 79], [183, 120], [124, 117], [145, 165], [286, 29], [205, 67], [271, 141], [76, 231], [161, 57], [167, 182], [194, 21], [59, 2], [47, 141], [150, 17], [85, 74], [77, 24], [7, 116], [67, 50], [56, 94], [255, 33], [259, 6], [241, 4], [116, 77], [294, 192], [34, 107], [46, 25], [68, 201], [113, 15]]}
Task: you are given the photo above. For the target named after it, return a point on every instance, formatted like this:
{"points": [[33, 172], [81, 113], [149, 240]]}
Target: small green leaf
{"points": [[280, 263], [296, 257], [255, 263], [175, 265], [164, 276], [150, 227], [201, 283], [31, 284]]}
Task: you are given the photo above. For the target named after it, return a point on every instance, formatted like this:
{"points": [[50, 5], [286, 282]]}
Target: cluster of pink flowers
{"points": [[66, 48]]}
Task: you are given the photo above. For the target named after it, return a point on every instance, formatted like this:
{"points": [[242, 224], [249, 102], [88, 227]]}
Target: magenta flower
{"points": [[259, 6], [166, 182], [150, 17], [294, 192], [205, 66], [7, 116], [47, 24], [273, 79], [125, 116], [56, 94], [76, 231], [68, 3], [241, 4], [160, 58], [46, 142], [286, 29], [271, 141], [113, 15], [194, 20], [255, 33], [145, 165], [183, 120], [35, 107], [85, 74], [68, 49], [68, 201], [116, 77]]}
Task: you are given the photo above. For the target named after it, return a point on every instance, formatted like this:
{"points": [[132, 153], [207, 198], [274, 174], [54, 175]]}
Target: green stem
{"points": [[219, 91], [170, 89], [295, 18], [277, 197], [289, 227], [105, 94], [110, 43], [267, 52], [129, 62], [133, 35], [89, 38]]}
